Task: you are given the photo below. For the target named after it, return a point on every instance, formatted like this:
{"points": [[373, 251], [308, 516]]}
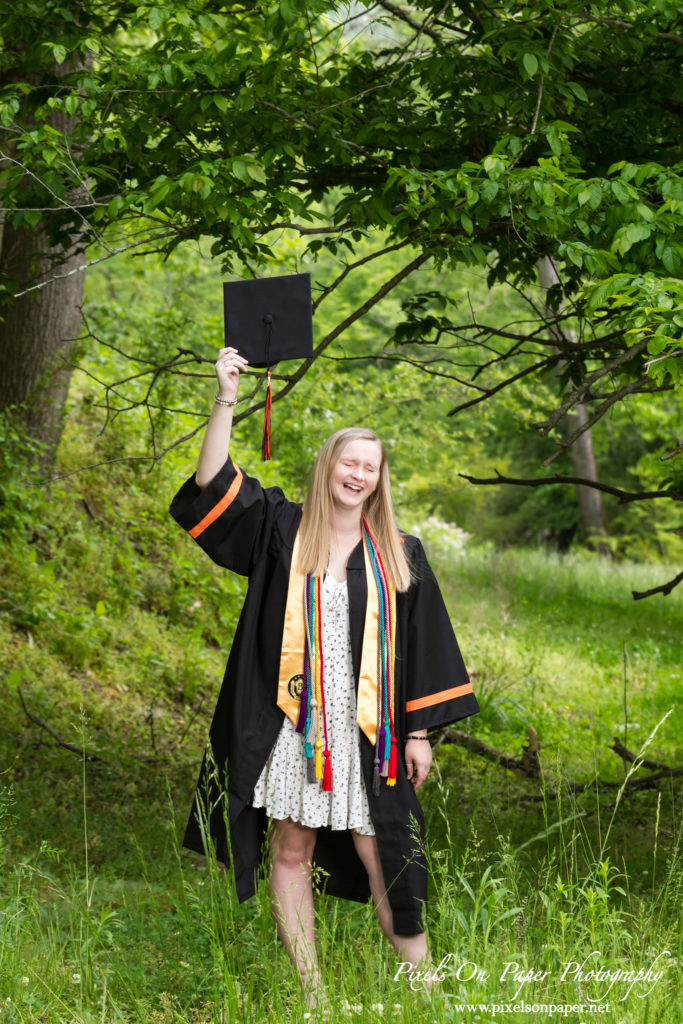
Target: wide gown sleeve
{"points": [[438, 689], [234, 518]]}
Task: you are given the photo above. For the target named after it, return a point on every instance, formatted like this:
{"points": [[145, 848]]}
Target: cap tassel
{"points": [[393, 763], [327, 773], [265, 441]]}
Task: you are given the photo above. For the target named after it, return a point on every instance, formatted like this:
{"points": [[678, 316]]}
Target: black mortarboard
{"points": [[268, 319]]}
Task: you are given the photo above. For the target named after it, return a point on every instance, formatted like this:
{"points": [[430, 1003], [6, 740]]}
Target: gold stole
{"points": [[293, 640]]}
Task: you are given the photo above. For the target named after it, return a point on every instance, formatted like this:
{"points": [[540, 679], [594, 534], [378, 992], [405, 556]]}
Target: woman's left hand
{"points": [[418, 758]]}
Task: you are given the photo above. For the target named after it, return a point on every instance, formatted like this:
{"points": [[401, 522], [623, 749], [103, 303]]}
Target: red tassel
{"points": [[393, 763], [327, 774], [265, 441]]}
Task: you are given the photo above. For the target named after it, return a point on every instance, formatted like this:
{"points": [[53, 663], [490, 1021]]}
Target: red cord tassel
{"points": [[327, 773], [393, 763], [265, 441]]}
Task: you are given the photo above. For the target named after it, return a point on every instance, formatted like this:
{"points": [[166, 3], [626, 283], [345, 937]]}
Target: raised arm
{"points": [[216, 443]]}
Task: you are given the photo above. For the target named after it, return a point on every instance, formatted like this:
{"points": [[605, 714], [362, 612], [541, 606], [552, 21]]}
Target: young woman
{"points": [[344, 657]]}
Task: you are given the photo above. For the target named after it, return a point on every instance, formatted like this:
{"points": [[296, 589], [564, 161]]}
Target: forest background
{"points": [[489, 202]]}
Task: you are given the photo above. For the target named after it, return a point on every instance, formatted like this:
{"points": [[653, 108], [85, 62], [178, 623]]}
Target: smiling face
{"points": [[356, 474]]}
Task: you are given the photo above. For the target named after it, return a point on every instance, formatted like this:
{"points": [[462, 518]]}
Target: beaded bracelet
{"points": [[419, 738], [225, 401]]}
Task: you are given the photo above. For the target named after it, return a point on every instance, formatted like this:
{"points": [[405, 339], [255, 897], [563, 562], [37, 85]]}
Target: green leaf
{"points": [[565, 126], [256, 172], [657, 344], [620, 192], [494, 167], [288, 11], [530, 62], [157, 16], [647, 171], [8, 112], [115, 206], [489, 190], [554, 141], [578, 91], [599, 295], [645, 212], [671, 258], [467, 224], [240, 170], [637, 233], [574, 255], [221, 102]]}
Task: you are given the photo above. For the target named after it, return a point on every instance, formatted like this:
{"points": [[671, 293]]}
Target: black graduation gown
{"points": [[251, 530]]}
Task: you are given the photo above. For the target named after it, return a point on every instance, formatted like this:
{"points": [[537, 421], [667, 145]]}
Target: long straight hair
{"points": [[314, 544]]}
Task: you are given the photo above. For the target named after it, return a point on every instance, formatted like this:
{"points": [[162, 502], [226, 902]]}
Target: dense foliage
{"points": [[333, 137]]}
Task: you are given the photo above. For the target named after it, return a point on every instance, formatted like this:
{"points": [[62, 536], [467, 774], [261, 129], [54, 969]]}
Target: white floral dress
{"points": [[282, 787]]}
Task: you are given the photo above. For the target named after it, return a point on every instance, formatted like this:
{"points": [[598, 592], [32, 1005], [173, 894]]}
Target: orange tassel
{"points": [[265, 441], [327, 774]]}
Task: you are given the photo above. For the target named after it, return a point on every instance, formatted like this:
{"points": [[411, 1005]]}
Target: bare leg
{"points": [[291, 893], [410, 947]]}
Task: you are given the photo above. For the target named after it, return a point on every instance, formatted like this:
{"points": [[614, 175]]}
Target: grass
{"points": [[560, 639], [169, 943], [119, 646]]}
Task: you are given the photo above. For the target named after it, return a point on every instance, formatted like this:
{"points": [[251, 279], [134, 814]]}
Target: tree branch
{"points": [[503, 384], [409, 20], [71, 747], [312, 128], [664, 588], [623, 496], [628, 755], [616, 396], [579, 393], [529, 765]]}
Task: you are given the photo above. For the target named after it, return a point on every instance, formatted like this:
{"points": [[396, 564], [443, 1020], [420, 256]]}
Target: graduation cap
{"points": [[266, 320]]}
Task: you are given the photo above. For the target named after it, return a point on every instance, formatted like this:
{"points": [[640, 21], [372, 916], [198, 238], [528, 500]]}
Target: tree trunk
{"points": [[37, 329], [37, 332], [591, 505]]}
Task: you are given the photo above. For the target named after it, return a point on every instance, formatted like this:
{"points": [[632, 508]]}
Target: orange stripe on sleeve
{"points": [[220, 507], [438, 698]]}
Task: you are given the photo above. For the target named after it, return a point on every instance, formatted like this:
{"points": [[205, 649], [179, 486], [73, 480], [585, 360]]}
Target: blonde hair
{"points": [[314, 544]]}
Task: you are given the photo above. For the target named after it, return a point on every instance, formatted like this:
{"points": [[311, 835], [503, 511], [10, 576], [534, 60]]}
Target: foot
{"points": [[314, 995]]}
